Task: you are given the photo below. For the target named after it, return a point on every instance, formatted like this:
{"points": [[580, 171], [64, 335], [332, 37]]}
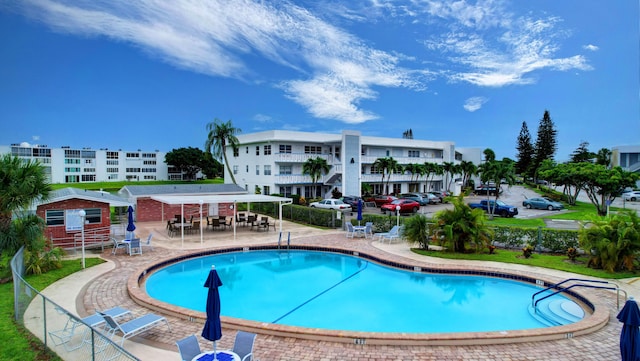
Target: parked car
{"points": [[497, 207], [383, 199], [352, 201], [423, 200], [442, 195], [631, 196], [406, 206], [331, 204], [542, 203], [490, 189]]}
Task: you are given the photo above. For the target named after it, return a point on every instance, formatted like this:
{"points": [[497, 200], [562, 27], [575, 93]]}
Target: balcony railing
{"points": [[300, 157]]}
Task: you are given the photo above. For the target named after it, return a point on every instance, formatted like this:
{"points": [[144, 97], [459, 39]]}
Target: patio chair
{"points": [[195, 226], [350, 230], [118, 245], [368, 230], [66, 334], [148, 242], [135, 247], [133, 327], [188, 348], [243, 345]]}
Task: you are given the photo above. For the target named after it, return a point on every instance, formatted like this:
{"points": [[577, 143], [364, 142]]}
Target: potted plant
{"points": [[527, 251]]}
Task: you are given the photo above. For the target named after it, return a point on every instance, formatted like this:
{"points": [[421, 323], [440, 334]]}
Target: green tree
{"points": [[431, 170], [417, 171], [461, 226], [468, 169], [602, 184], [603, 157], [546, 142], [449, 169], [417, 230], [211, 168], [612, 242], [582, 154], [388, 165], [526, 152], [188, 160], [222, 134], [316, 168], [21, 183], [567, 175], [495, 172]]}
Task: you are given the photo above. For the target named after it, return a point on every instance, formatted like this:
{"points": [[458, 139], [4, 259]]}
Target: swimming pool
{"points": [[333, 291]]}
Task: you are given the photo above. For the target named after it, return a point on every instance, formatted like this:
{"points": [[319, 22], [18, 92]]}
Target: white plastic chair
{"points": [[135, 247], [188, 348], [148, 242], [350, 230], [243, 345]]}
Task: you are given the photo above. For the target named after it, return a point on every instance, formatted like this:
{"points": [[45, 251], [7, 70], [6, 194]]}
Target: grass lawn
{"points": [[558, 262], [113, 187], [18, 343]]}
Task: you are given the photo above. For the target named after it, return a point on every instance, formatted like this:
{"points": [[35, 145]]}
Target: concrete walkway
{"points": [[104, 286]]}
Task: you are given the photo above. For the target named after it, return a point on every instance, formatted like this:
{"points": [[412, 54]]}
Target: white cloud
{"points": [[262, 118], [474, 103], [591, 47]]}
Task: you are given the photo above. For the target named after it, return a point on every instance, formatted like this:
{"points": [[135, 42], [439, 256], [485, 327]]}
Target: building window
{"points": [[236, 152], [285, 169], [72, 170], [71, 161], [54, 217], [112, 155], [257, 169], [246, 168], [112, 162], [88, 177], [133, 170], [312, 149], [71, 179], [89, 170], [285, 191], [113, 176], [397, 188], [257, 150], [149, 162], [93, 215], [285, 148], [69, 153], [247, 150], [235, 169], [267, 149], [112, 170], [266, 190], [88, 154], [414, 154], [267, 170], [133, 155], [148, 155]]}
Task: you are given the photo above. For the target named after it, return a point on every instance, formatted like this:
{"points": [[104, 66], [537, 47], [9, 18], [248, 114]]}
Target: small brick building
{"points": [[63, 225]]}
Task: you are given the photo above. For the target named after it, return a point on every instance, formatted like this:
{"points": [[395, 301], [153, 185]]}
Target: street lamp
{"points": [[398, 216], [82, 215]]}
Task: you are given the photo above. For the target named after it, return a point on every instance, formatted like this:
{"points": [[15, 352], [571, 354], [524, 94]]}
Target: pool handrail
{"points": [[563, 289]]}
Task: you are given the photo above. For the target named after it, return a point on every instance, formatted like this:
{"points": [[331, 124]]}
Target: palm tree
{"points": [[316, 168], [468, 169], [21, 182], [462, 225], [220, 135], [387, 165], [416, 170]]}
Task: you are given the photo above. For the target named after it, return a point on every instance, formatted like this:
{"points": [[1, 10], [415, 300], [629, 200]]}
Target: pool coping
{"points": [[597, 319]]}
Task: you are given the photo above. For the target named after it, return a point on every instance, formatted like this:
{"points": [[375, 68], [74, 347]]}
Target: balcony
{"points": [[300, 157]]}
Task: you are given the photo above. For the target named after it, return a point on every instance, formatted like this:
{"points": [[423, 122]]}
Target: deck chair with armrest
{"points": [[350, 230], [393, 233], [65, 335], [133, 327], [118, 245], [148, 242], [243, 345], [368, 230], [135, 247], [188, 348]]}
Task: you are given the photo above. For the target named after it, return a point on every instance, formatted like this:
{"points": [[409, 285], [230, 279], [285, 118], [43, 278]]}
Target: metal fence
{"points": [[62, 332]]}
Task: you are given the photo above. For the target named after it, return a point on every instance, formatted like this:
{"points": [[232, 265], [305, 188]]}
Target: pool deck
{"points": [[105, 286]]}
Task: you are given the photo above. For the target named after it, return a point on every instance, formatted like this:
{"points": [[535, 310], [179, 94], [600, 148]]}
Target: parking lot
{"points": [[514, 196]]}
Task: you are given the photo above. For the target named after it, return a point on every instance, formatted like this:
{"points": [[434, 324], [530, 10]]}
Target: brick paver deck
{"points": [[111, 290]]}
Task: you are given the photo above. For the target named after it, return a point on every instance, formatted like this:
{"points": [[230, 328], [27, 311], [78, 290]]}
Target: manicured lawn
{"points": [[17, 342], [113, 187], [557, 262]]}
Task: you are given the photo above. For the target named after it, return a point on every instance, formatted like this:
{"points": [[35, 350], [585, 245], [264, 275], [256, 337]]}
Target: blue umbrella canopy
{"points": [[212, 330], [359, 210], [630, 335], [130, 226]]}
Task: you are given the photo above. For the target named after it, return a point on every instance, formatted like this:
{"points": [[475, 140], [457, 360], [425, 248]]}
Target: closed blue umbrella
{"points": [[130, 225], [212, 330], [630, 335], [359, 211]]}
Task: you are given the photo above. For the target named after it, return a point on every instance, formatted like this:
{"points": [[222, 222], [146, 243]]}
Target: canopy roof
{"points": [[221, 198]]}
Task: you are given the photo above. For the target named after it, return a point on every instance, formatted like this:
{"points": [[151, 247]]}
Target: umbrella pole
{"points": [[215, 356]]}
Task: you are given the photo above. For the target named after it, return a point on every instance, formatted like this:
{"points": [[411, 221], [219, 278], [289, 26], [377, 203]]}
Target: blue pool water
{"points": [[341, 292]]}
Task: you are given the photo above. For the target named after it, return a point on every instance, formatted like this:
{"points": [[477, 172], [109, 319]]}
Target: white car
{"points": [[336, 204], [631, 196]]}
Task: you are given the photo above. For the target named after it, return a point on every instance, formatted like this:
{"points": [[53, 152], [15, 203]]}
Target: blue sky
{"points": [[151, 74]]}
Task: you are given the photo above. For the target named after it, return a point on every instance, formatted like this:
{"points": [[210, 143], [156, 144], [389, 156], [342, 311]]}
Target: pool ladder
{"points": [[288, 240], [559, 289]]}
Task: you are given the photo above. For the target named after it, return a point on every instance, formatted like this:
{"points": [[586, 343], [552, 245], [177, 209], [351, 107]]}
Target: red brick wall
{"points": [[148, 210], [60, 232]]}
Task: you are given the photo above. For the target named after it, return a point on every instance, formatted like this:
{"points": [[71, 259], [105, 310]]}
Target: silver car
{"points": [[331, 204], [542, 203]]}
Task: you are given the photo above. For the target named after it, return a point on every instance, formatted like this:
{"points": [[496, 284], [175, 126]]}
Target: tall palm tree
{"points": [[449, 169], [468, 169], [388, 166], [316, 168], [417, 171], [21, 183], [221, 134]]}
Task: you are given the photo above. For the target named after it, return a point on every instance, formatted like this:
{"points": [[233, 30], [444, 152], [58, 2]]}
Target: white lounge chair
{"points": [[393, 233], [350, 230], [65, 335], [148, 242], [133, 327]]}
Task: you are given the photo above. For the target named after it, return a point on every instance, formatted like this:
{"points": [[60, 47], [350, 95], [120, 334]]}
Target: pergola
{"points": [[222, 198]]}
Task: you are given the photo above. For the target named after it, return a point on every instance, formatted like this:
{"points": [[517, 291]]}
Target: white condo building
{"points": [[272, 161], [72, 165]]}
